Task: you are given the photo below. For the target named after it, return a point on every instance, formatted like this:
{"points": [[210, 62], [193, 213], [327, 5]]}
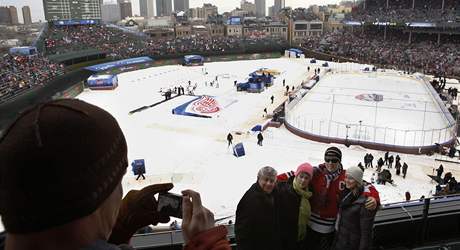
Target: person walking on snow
{"points": [[398, 167], [260, 138], [272, 98], [229, 139], [371, 159], [404, 170], [439, 171], [380, 163], [390, 161]]}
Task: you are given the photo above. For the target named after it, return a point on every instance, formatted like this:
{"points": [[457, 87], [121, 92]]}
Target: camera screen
{"points": [[170, 204]]}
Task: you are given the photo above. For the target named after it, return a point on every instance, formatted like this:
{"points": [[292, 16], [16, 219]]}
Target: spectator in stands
{"points": [[294, 208], [355, 220], [256, 225], [21, 73], [327, 186], [75, 201]]}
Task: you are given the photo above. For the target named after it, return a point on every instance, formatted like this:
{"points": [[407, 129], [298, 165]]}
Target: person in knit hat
{"points": [[355, 223], [294, 208], [327, 183], [61, 166]]}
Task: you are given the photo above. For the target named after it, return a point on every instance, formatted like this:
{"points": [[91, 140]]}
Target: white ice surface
{"points": [[407, 116]]}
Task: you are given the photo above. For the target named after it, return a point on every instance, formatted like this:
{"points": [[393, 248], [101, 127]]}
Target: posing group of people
{"points": [[323, 207]]}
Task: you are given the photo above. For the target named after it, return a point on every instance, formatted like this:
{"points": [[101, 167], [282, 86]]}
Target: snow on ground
{"points": [[192, 152]]}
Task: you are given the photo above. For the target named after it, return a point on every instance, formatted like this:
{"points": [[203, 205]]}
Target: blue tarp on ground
{"points": [[257, 128], [138, 166], [182, 109], [238, 150]]}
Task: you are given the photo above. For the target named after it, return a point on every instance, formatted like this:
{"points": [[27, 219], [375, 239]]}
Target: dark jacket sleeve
{"points": [[366, 225], [244, 222], [2, 240]]}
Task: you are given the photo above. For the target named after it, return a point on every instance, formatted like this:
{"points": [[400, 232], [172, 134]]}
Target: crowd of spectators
{"points": [[19, 73], [395, 51], [403, 15], [117, 44], [403, 11]]}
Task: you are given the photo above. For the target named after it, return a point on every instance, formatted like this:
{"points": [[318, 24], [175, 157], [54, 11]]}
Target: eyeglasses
{"points": [[331, 160]]}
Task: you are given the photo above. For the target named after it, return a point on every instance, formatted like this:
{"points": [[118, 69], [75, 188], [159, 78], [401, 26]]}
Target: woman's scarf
{"points": [[304, 209]]}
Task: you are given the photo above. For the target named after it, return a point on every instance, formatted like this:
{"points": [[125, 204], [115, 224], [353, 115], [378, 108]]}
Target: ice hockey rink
{"points": [[383, 107], [192, 152]]}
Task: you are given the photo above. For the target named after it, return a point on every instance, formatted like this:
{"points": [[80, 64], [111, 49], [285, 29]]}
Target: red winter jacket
{"points": [[325, 201]]}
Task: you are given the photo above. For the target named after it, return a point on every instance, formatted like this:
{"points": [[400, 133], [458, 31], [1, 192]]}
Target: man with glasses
{"points": [[328, 183]]}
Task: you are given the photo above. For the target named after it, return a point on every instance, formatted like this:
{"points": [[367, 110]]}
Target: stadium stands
{"points": [[401, 11], [120, 45], [20, 73], [422, 54]]}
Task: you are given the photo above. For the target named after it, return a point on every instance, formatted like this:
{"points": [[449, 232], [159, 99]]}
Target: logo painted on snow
{"points": [[370, 97], [206, 105]]}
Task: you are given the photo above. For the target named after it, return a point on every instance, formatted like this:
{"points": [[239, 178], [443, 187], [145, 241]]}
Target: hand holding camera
{"points": [[196, 218], [137, 210]]}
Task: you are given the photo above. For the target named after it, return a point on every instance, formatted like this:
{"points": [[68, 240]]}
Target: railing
{"points": [[395, 216], [369, 133]]}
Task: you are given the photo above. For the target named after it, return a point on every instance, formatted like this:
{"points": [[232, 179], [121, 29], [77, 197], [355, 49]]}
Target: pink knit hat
{"points": [[304, 167]]}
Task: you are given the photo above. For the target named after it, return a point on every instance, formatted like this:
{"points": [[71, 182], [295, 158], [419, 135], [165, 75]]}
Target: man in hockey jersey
{"points": [[327, 184]]}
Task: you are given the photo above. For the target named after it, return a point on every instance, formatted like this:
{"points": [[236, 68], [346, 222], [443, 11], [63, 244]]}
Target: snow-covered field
{"points": [[192, 152]]}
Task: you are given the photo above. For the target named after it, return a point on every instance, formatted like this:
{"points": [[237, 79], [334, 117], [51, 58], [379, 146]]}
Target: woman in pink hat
{"points": [[294, 208]]}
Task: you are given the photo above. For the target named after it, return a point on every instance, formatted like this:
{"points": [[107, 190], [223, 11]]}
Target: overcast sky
{"points": [[36, 6]]}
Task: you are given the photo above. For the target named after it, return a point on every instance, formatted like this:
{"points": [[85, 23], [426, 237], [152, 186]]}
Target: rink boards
{"points": [[386, 108]]}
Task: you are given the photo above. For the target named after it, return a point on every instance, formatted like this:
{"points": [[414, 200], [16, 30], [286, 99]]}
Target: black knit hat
{"points": [[333, 153], [58, 162]]}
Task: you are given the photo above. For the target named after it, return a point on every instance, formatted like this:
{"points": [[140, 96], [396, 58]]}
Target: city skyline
{"points": [[36, 7]]}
